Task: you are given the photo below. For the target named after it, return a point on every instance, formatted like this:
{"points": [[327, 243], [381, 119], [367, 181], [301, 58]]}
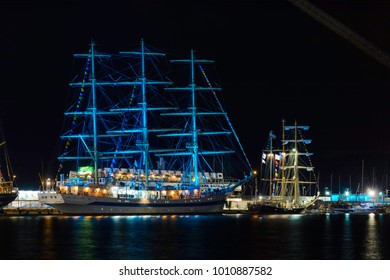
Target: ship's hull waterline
{"points": [[86, 205]]}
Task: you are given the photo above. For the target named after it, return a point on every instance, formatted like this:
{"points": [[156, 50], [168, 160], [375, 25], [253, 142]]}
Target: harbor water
{"points": [[214, 237]]}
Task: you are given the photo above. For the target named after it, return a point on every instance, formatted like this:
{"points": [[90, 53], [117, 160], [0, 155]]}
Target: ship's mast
{"points": [[194, 144], [296, 173], [192, 148], [94, 108], [271, 165], [282, 191], [145, 141], [296, 163], [93, 82]]}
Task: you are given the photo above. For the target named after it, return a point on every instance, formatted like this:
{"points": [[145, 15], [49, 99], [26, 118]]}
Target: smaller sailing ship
{"points": [[286, 173], [8, 192]]}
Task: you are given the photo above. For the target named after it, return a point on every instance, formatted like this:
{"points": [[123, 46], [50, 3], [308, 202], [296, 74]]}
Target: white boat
{"points": [[137, 144]]}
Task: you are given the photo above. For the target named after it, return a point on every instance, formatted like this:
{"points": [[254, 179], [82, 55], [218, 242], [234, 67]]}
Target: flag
{"points": [[271, 135]]}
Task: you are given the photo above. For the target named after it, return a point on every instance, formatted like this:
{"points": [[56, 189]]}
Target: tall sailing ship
{"points": [[286, 174], [8, 190], [138, 144]]}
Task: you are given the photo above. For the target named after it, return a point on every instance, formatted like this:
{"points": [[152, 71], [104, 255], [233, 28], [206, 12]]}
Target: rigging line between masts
{"points": [[227, 117]]}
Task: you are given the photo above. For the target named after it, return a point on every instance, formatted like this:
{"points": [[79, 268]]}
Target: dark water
{"points": [[214, 237]]}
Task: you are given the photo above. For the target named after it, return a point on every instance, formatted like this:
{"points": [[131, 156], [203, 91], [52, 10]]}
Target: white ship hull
{"points": [[86, 205]]}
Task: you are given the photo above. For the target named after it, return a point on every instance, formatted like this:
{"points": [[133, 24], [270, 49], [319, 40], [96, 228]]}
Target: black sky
{"points": [[273, 60]]}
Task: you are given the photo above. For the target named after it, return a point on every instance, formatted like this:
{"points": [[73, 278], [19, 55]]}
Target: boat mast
{"points": [[296, 174], [193, 146], [270, 167], [145, 141], [94, 108], [194, 136], [283, 160], [145, 107]]}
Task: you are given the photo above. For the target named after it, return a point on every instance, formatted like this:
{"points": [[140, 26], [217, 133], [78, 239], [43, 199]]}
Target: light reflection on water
{"points": [[196, 237]]}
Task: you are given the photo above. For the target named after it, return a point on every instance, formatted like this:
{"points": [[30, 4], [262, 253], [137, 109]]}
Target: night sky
{"points": [[273, 60]]}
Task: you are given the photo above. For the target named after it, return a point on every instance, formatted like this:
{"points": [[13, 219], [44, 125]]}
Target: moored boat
{"points": [[121, 158], [287, 173]]}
